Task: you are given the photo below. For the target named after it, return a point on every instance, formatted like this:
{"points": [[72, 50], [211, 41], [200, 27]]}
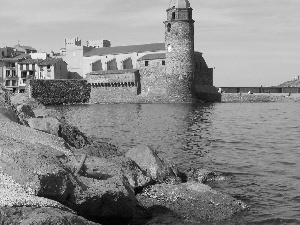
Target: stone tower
{"points": [[179, 40]]}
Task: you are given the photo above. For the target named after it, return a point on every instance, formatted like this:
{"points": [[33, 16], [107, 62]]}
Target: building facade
{"points": [[172, 70]]}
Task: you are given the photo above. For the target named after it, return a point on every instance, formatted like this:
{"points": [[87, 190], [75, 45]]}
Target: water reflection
{"points": [[179, 132]]}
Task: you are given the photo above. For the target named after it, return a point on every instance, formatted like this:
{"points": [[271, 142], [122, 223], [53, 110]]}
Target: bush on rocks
{"points": [[55, 92]]}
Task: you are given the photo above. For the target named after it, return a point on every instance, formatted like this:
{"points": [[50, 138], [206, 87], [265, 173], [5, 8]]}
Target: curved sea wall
{"points": [[51, 172]]}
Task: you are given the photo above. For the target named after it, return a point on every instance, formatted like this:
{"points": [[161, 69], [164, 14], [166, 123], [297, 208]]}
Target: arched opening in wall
{"points": [[173, 15], [169, 27]]}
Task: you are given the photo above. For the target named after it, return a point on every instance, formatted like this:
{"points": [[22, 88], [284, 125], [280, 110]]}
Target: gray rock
{"points": [[107, 194], [136, 177], [147, 159], [192, 201], [39, 216], [48, 125], [38, 169]]}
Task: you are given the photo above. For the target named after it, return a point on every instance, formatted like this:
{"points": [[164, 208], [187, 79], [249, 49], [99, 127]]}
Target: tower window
{"points": [[190, 15], [146, 63], [173, 15], [163, 62], [169, 27]]}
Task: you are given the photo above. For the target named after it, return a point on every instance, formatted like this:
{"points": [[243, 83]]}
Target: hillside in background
{"points": [[292, 83]]}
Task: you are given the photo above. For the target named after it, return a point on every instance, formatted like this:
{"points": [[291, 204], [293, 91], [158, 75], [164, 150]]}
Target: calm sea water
{"points": [[259, 143]]}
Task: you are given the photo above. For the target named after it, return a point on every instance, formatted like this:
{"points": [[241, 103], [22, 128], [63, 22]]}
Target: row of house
{"points": [[20, 63]]}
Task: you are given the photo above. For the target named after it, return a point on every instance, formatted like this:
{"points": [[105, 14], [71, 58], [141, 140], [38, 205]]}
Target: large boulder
{"points": [[37, 168], [24, 113], [73, 136], [49, 125], [136, 177], [103, 192], [8, 113], [158, 169], [39, 216], [192, 201]]}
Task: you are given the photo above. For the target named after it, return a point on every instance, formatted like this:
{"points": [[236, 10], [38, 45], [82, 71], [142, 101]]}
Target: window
{"points": [[13, 73], [24, 81], [173, 15], [190, 15], [163, 62], [169, 27], [146, 63], [14, 83], [13, 65], [23, 74], [8, 73], [21, 66], [7, 83], [48, 67]]}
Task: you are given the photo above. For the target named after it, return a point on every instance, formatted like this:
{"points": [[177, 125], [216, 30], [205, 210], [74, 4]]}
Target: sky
{"points": [[247, 42]]}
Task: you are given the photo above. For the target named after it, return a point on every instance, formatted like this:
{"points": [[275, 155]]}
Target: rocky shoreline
{"points": [[52, 173]]}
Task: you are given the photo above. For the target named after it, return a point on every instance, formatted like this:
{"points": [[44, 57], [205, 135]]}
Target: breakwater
{"points": [[243, 97]]}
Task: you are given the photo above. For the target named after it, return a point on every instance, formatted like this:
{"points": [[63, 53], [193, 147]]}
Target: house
{"points": [[52, 68], [9, 71]]}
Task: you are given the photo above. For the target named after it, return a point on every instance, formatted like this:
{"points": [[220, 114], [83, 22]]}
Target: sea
{"points": [[257, 143]]}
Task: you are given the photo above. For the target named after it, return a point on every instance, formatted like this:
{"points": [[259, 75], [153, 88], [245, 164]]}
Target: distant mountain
{"points": [[292, 83]]}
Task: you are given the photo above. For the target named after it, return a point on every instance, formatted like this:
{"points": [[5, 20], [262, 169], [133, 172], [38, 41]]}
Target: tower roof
{"points": [[180, 4]]}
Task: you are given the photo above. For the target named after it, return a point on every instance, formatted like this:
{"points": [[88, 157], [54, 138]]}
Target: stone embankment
{"points": [[52, 173], [262, 97]]}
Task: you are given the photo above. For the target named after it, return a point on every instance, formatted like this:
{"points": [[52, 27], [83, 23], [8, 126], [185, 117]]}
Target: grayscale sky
{"points": [[248, 42]]}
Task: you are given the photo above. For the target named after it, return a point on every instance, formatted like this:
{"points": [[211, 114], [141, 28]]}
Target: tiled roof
{"points": [[103, 72], [25, 47], [30, 61], [16, 58], [126, 49], [49, 61], [153, 56]]}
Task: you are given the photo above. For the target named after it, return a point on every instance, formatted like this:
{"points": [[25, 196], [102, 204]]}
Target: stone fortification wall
{"points": [[153, 78], [204, 76], [113, 94], [53, 92]]}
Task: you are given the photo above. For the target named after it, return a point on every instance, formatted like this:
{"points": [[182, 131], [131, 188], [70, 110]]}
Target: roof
{"points": [[25, 47], [153, 56], [126, 49], [30, 61], [180, 4], [104, 72], [50, 61], [16, 58]]}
